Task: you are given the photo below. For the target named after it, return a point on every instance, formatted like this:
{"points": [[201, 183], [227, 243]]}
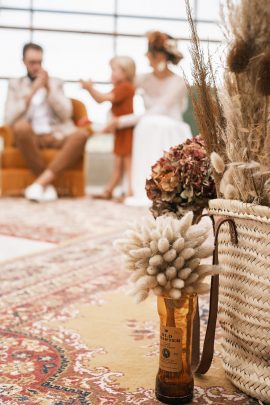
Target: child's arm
{"points": [[97, 95]]}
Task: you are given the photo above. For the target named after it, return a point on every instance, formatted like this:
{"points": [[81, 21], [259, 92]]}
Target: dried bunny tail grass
{"points": [[204, 251], [166, 266], [230, 192], [240, 55], [217, 162], [141, 296], [198, 230], [136, 275], [263, 81], [185, 223]]}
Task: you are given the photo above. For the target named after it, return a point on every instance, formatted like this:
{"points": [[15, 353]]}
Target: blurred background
{"points": [[80, 37]]}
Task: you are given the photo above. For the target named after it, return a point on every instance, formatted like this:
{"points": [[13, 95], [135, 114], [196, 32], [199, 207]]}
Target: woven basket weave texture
{"points": [[244, 295]]}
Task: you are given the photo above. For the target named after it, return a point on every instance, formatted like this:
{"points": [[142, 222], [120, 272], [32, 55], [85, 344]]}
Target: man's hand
{"points": [[42, 80], [86, 84], [111, 125]]}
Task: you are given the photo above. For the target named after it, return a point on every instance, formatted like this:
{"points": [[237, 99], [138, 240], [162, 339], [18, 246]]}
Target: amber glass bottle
{"points": [[174, 381]]}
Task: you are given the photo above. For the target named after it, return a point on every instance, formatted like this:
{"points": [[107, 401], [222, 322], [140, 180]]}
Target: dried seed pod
{"points": [[177, 283], [217, 162], [134, 236], [184, 273], [158, 291], [179, 244], [146, 233], [168, 233], [171, 273], [227, 178], [201, 288], [168, 286], [193, 243], [141, 295], [156, 261], [175, 294], [230, 192], [137, 274], [191, 279], [239, 55], [185, 223], [187, 253], [146, 282], [141, 253], [196, 231], [188, 290], [193, 263], [152, 270], [154, 246], [141, 263], [170, 255], [163, 245], [179, 263], [155, 235], [161, 279], [204, 251]]}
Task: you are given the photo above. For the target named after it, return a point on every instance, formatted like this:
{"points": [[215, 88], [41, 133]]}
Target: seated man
{"points": [[40, 116]]}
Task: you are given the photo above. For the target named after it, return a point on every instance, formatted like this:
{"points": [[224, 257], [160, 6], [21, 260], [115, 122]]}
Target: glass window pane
{"points": [[161, 8], [15, 3], [15, 18], [209, 11], [11, 45], [137, 26], [82, 5], [73, 22], [76, 56], [136, 48], [209, 31]]}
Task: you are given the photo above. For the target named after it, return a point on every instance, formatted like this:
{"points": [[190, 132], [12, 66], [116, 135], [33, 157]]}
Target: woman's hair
{"points": [[127, 64], [160, 42]]}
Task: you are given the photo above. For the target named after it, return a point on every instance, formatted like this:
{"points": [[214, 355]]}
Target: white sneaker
{"points": [[34, 192], [50, 194], [38, 193]]}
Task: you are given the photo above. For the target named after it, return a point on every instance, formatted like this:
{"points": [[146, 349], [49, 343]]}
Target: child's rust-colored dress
{"points": [[122, 105]]}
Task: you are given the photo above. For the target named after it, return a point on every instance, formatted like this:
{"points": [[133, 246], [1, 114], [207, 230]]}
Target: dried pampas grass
{"points": [[235, 121], [205, 99]]}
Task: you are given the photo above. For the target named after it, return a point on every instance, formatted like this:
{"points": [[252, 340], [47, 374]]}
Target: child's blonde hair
{"points": [[127, 64]]}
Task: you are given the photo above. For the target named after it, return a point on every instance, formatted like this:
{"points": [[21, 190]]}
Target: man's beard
{"points": [[31, 77]]}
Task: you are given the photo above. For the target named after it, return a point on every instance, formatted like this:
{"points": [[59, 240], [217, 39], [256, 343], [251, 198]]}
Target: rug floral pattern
{"points": [[70, 334]]}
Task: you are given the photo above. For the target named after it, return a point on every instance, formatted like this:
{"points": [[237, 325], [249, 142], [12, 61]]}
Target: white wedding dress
{"points": [[158, 129]]}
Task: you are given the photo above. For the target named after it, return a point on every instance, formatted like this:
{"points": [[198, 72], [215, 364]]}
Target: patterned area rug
{"points": [[62, 220], [70, 335]]}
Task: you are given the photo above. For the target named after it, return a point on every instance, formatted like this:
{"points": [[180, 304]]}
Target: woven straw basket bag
{"points": [[244, 294]]}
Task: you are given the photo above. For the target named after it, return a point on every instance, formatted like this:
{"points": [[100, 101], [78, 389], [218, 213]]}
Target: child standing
{"points": [[121, 97]]}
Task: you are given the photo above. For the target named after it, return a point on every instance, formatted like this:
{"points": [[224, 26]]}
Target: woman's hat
{"points": [[162, 42]]}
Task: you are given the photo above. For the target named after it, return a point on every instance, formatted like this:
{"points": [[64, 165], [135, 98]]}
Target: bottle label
{"points": [[170, 349]]}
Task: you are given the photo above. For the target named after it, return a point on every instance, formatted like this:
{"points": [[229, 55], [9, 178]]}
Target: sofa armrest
{"points": [[6, 135]]}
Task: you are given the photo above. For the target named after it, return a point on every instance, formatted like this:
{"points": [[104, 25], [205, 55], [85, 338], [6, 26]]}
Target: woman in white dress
{"points": [[161, 126]]}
